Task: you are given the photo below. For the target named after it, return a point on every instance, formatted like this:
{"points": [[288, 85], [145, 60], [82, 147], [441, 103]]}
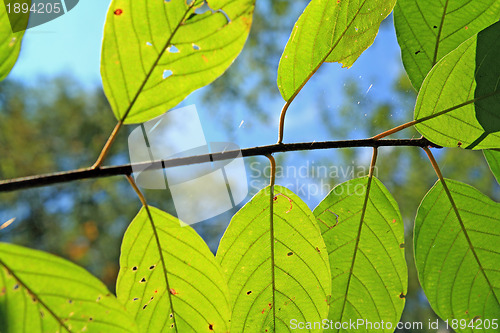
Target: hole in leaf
{"points": [[203, 8], [144, 307], [135, 298], [402, 245], [167, 73], [149, 44], [143, 280], [171, 315], [134, 268], [173, 49], [172, 326], [196, 47], [356, 28], [249, 292], [224, 13], [417, 52], [16, 286], [152, 266], [90, 318], [70, 301], [211, 327], [118, 12], [289, 254], [435, 27], [402, 295]]}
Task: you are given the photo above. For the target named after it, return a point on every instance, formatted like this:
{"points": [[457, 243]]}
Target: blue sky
{"points": [[71, 44]]}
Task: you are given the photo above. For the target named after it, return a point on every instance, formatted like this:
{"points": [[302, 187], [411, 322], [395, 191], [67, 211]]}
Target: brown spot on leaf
{"points": [[402, 295], [211, 327], [173, 292], [118, 12]]}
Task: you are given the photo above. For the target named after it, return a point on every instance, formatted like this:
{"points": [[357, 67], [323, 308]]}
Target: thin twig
{"points": [[127, 169]]}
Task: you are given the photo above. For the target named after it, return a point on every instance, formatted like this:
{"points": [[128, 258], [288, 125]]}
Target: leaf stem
{"points": [[137, 190], [107, 146], [282, 121], [273, 169], [394, 130]]}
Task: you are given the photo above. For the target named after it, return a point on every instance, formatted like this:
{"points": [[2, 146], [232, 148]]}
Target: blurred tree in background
{"points": [[59, 125]]}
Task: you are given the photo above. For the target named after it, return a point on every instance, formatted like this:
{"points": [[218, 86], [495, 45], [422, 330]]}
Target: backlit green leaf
{"points": [[427, 30], [169, 280], [456, 253], [155, 53], [10, 43], [363, 231], [40, 292], [493, 158], [459, 102], [277, 268], [328, 31]]}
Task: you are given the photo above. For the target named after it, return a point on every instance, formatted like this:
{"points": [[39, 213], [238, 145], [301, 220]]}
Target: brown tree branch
{"points": [[126, 169]]}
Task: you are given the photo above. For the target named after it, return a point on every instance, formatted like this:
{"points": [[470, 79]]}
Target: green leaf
{"points": [[276, 264], [40, 292], [427, 30], [493, 158], [456, 252], [169, 280], [155, 53], [328, 31], [459, 102], [364, 234], [10, 44]]}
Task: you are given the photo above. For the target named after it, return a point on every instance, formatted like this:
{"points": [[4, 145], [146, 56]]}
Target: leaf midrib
{"points": [[21, 282], [469, 242], [160, 55], [327, 55], [356, 246], [164, 266], [438, 37]]}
